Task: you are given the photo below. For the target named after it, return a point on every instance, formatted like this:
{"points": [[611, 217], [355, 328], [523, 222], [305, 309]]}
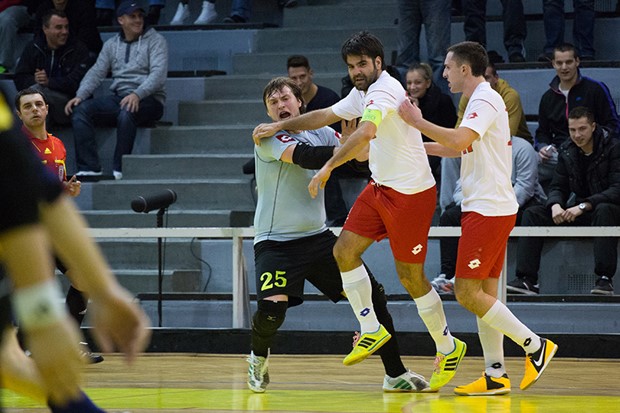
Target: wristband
{"points": [[39, 305]]}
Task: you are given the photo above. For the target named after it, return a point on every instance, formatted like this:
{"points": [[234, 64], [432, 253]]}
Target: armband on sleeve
{"points": [[372, 115], [311, 157]]}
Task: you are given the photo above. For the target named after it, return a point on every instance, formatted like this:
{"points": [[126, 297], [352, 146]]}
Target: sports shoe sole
{"points": [[497, 392]]}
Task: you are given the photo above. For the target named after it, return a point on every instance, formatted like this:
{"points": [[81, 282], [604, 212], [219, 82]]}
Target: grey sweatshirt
{"points": [[140, 67]]}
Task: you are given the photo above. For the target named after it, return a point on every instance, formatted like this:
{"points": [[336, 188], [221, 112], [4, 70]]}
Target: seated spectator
{"points": [[138, 62], [567, 90], [315, 96], [14, 15], [54, 65], [527, 189], [585, 190], [436, 106], [583, 28], [82, 21]]}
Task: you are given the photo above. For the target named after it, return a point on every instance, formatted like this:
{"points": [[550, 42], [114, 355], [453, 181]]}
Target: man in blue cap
{"points": [[137, 58]]}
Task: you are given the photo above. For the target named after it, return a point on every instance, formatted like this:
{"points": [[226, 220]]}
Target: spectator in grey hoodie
{"points": [[138, 59]]}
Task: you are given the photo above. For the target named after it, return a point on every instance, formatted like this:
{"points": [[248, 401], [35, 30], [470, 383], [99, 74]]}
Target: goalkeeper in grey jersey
{"points": [[292, 243]]}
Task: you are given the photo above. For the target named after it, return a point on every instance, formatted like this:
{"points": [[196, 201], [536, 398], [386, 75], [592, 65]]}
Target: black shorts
{"points": [[283, 266]]}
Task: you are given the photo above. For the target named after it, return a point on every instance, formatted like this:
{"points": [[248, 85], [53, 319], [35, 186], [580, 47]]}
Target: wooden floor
{"points": [[216, 383]]}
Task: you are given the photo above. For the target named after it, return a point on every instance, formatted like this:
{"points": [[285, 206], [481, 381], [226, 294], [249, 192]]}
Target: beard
{"points": [[363, 82]]}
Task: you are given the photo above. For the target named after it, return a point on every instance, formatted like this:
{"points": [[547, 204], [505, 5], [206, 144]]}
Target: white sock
{"points": [[501, 318], [492, 342], [356, 284], [431, 312]]}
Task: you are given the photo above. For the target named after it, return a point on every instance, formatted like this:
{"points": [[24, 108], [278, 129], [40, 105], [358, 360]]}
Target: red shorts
{"points": [[380, 212], [482, 245]]}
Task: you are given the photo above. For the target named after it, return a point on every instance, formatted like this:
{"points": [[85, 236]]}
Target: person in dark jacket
{"points": [[585, 190], [436, 106], [567, 90], [54, 65], [82, 17]]}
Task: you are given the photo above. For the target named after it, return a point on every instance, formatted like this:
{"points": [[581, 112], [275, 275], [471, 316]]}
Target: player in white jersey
{"points": [[292, 243], [489, 209], [398, 203]]}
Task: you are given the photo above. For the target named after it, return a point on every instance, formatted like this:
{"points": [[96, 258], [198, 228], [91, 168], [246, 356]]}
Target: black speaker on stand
{"points": [[160, 201]]}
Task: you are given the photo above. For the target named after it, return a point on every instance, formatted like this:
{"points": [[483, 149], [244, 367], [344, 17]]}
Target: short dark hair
{"points": [[363, 44], [276, 84], [471, 53], [52, 12], [28, 91], [566, 47], [581, 112], [492, 66], [298, 61]]}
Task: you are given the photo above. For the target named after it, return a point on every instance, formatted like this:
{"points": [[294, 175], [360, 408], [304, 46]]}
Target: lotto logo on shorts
{"points": [[417, 249], [365, 312], [473, 264]]}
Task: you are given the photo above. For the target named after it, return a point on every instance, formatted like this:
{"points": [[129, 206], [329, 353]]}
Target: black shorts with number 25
{"points": [[283, 266]]}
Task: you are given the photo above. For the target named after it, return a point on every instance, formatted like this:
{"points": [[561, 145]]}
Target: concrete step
{"points": [[275, 62], [142, 254], [192, 194], [250, 86], [494, 8], [184, 166], [184, 218], [202, 139], [289, 39], [383, 13], [544, 318], [223, 112]]}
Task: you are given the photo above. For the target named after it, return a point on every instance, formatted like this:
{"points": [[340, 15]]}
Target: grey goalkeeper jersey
{"points": [[285, 210]]}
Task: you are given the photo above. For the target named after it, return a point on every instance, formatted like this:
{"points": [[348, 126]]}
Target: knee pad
{"points": [[269, 317]]}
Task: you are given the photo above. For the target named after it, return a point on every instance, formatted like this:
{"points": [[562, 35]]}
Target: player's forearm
{"points": [[450, 138], [354, 146], [311, 120], [437, 149]]}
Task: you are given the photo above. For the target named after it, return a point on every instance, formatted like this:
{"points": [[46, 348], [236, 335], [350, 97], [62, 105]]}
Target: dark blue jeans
{"points": [[529, 249], [106, 111], [435, 16], [515, 29], [583, 25]]}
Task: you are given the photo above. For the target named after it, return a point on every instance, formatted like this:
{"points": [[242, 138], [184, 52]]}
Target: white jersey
{"points": [[397, 157], [486, 165]]}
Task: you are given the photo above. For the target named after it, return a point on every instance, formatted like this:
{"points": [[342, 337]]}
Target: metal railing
{"points": [[240, 293]]}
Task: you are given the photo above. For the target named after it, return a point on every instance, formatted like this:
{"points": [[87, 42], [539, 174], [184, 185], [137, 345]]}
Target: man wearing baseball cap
{"points": [[137, 58]]}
